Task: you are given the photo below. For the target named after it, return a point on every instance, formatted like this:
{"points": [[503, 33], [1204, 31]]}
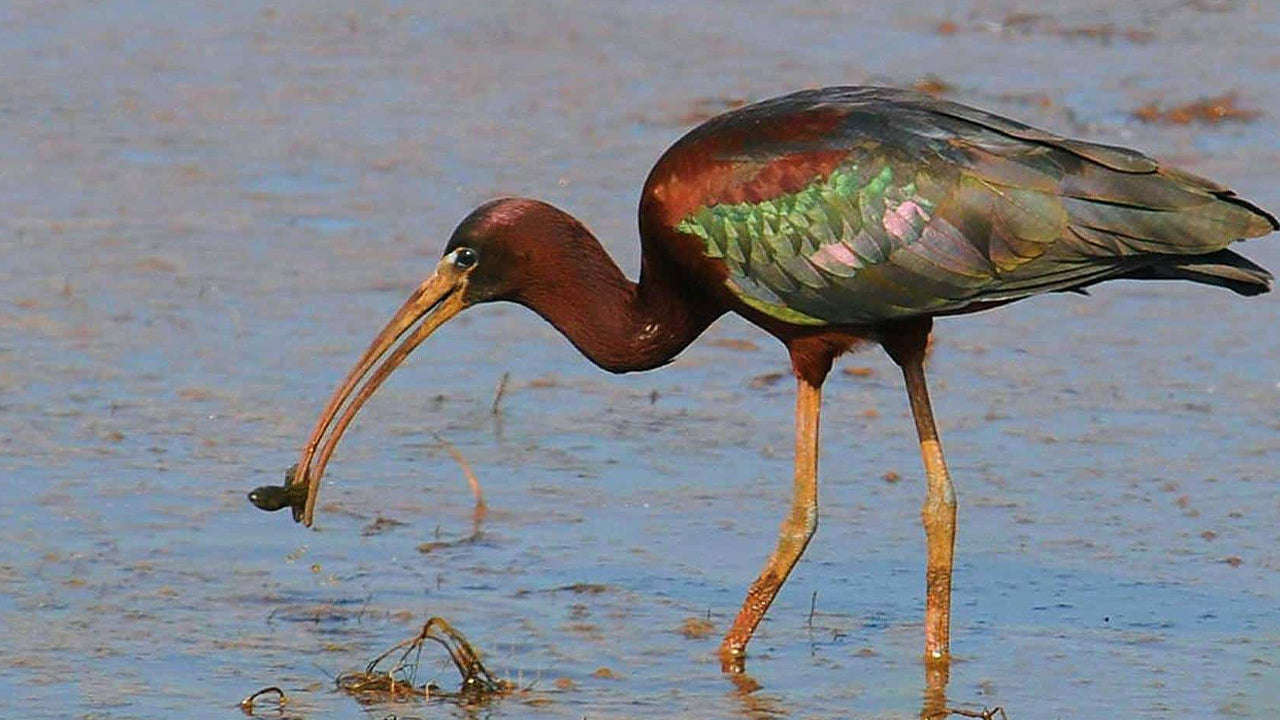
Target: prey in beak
{"points": [[431, 305]]}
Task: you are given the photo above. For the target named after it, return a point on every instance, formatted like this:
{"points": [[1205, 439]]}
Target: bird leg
{"points": [[907, 348], [796, 530]]}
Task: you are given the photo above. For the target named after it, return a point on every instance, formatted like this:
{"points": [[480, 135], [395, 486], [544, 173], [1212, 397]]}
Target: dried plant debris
{"points": [[386, 680], [1209, 110]]}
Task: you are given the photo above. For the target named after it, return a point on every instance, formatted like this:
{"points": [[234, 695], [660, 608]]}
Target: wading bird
{"points": [[830, 218]]}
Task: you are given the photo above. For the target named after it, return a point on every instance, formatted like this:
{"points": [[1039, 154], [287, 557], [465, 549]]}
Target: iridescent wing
{"points": [[935, 207]]}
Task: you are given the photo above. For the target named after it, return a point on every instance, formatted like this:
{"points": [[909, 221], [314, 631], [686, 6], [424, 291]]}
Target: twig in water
{"points": [[246, 705], [494, 409], [477, 515], [472, 480]]}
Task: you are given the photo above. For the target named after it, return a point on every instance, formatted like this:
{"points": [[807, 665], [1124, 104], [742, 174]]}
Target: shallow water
{"points": [[207, 209]]}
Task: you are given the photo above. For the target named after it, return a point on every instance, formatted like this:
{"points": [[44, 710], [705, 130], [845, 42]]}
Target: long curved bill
{"points": [[432, 304]]}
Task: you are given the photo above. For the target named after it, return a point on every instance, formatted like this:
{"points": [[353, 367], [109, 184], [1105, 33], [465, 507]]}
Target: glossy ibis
{"points": [[830, 218]]}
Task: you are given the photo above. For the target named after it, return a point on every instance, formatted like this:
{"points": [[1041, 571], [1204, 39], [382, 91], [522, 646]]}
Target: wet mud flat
{"points": [[206, 210]]}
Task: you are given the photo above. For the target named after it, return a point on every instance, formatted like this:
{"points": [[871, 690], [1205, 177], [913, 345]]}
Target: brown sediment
{"points": [[380, 525], [576, 588], [1105, 33], [433, 545], [933, 85], [546, 381], [733, 344], [565, 684], [400, 681], [1027, 23], [696, 628], [1209, 110], [984, 713], [706, 107], [766, 380]]}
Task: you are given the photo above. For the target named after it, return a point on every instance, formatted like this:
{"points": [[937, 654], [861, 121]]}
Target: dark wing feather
{"points": [[935, 207]]}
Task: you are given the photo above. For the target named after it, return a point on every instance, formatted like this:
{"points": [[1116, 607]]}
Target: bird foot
{"points": [[733, 658]]}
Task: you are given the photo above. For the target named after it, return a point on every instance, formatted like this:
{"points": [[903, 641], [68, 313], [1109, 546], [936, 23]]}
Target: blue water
{"points": [[208, 210]]}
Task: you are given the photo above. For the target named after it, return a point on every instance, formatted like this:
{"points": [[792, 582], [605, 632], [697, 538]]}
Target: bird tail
{"points": [[1223, 268]]}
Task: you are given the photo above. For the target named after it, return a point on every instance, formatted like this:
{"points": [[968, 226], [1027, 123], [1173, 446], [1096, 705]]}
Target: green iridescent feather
{"points": [[947, 206]]}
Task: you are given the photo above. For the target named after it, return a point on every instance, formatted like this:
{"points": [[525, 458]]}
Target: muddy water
{"points": [[208, 208]]}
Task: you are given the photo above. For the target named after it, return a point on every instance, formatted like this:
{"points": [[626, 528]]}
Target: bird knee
{"points": [[802, 524], [938, 514], [810, 522]]}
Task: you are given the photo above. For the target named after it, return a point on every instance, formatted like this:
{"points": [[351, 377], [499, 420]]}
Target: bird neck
{"points": [[620, 325]]}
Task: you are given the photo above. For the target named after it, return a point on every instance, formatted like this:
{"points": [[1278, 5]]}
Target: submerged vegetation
{"points": [[384, 680]]}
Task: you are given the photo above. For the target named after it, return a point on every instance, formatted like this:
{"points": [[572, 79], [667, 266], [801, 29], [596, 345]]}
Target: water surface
{"points": [[207, 209]]}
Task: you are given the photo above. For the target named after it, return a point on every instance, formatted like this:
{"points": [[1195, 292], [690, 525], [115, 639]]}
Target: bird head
{"points": [[513, 245], [495, 253]]}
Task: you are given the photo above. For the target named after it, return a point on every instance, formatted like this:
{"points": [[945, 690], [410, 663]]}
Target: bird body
{"points": [[829, 218], [857, 206]]}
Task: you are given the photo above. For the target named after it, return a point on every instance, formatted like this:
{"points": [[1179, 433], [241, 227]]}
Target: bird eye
{"points": [[464, 257]]}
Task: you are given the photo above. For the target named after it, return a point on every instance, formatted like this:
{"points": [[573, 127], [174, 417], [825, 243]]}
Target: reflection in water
{"points": [[754, 705], [751, 703], [937, 673]]}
